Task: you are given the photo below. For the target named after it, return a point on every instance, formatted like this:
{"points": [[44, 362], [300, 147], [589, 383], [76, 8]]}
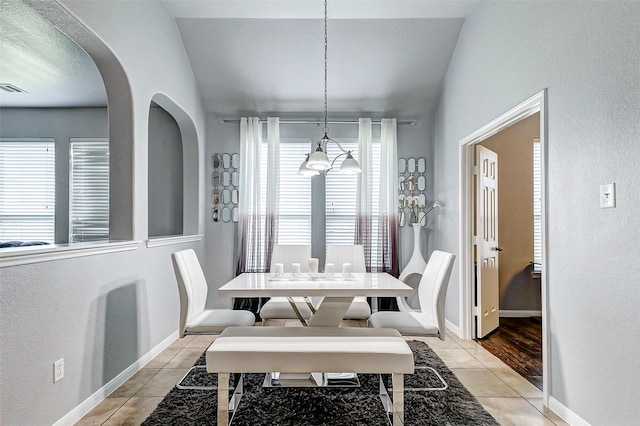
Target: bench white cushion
{"points": [[306, 349]]}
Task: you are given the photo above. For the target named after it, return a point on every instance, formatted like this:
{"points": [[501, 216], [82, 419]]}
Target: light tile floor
{"points": [[511, 399]]}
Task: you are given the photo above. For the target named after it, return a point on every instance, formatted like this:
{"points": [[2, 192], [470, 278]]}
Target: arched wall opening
{"points": [[120, 108], [189, 190]]}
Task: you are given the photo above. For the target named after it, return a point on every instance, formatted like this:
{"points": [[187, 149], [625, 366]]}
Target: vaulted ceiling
{"points": [[261, 56], [37, 58]]}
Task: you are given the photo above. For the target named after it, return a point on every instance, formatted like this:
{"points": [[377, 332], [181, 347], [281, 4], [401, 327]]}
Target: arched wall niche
{"points": [[190, 161], [120, 108]]}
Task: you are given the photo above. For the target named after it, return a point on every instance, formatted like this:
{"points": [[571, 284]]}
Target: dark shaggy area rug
{"points": [[328, 406]]}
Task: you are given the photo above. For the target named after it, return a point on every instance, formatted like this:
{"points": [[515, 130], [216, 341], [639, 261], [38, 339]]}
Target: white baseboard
{"points": [[567, 415], [519, 314], [452, 328], [98, 396]]}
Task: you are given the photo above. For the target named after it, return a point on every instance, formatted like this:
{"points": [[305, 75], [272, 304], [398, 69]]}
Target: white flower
{"points": [[412, 201], [424, 216], [416, 209]]}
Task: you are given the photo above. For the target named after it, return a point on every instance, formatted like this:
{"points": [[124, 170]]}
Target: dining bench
{"points": [[310, 349]]}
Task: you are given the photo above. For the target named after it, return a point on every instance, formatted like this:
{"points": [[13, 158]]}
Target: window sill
{"points": [[36, 254], [175, 239]]}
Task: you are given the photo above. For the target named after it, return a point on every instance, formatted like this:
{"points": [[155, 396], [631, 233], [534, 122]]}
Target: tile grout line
{"points": [[112, 414]]}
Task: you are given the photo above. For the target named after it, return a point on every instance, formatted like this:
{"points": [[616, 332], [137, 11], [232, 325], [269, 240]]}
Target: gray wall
{"points": [[60, 124], [165, 174], [100, 312], [220, 237], [586, 54]]}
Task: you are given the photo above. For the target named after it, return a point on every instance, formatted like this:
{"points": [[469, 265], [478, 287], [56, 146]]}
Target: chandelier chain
{"points": [[326, 129], [317, 161]]}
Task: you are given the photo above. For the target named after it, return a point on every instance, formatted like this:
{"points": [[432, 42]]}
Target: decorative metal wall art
{"points": [[225, 179], [412, 185]]}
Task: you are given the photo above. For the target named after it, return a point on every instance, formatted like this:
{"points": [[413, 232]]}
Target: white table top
{"points": [[360, 284]]}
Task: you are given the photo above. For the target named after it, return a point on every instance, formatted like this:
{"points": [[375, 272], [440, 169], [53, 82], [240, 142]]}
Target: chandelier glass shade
{"points": [[350, 166], [306, 171], [317, 161]]}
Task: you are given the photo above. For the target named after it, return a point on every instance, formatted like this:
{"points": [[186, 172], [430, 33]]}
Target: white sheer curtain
{"points": [[249, 221], [364, 192], [388, 209], [376, 225], [257, 219], [273, 186]]}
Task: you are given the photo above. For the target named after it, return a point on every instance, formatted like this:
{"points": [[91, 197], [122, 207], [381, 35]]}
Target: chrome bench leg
{"points": [[181, 386], [395, 408], [444, 386]]}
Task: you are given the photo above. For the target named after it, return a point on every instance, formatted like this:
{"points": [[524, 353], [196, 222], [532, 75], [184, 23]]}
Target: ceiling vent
{"points": [[10, 88]]}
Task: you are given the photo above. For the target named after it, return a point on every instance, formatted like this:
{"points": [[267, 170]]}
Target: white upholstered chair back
{"points": [[290, 254], [339, 254], [432, 289], [192, 286]]}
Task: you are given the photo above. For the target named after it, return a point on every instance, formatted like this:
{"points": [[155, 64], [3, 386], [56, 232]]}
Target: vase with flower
{"points": [[417, 218]]}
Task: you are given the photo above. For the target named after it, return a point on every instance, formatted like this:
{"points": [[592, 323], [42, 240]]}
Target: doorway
{"points": [[508, 296], [534, 106]]}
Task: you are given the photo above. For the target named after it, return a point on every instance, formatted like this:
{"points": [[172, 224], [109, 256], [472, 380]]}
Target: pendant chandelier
{"points": [[317, 161]]}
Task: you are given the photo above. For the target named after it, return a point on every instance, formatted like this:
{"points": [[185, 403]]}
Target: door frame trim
{"points": [[536, 103]]}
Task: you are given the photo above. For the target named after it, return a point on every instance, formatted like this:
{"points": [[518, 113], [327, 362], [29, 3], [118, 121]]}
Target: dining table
{"points": [[335, 292]]}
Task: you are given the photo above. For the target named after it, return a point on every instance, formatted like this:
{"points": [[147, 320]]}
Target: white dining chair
{"points": [[432, 291], [194, 318], [279, 307], [353, 254]]}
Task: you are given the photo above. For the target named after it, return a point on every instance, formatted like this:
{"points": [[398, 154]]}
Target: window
{"points": [[88, 190], [294, 218], [27, 190], [341, 200], [295, 195], [537, 205]]}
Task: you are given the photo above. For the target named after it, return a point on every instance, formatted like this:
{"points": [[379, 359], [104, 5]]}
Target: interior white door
{"points": [[487, 250]]}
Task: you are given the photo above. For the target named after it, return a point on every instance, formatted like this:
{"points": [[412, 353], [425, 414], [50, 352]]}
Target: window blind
{"points": [[341, 200], [27, 190], [294, 218], [537, 204], [88, 190]]}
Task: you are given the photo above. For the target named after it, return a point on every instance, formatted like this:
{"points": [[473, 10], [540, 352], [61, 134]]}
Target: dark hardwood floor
{"points": [[518, 343]]}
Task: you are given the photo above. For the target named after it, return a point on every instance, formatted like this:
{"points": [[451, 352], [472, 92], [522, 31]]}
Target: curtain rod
{"points": [[236, 120]]}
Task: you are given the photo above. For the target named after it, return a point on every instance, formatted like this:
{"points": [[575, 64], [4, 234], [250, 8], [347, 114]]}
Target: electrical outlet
{"points": [[608, 196], [58, 370]]}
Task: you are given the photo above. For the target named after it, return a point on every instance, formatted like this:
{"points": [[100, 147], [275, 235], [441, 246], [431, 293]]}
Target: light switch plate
{"points": [[608, 196]]}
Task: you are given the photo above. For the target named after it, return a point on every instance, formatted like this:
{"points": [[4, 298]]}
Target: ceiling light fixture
{"points": [[317, 160]]}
